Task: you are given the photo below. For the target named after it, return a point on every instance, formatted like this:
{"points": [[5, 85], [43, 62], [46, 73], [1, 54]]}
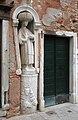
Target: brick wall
{"points": [[69, 19], [14, 80]]}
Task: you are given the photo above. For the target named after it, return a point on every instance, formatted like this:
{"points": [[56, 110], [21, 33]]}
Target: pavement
{"points": [[66, 111]]}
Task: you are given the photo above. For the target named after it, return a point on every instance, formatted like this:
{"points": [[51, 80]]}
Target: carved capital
{"points": [[15, 22], [37, 25]]}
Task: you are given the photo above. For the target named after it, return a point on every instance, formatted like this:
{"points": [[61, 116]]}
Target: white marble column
{"points": [[41, 74], [18, 60], [5, 64]]}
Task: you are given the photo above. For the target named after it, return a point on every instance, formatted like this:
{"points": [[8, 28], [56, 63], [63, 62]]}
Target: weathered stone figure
{"points": [[26, 41]]}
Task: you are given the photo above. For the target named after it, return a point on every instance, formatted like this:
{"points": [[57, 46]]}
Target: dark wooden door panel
{"points": [[62, 66], [56, 69], [49, 68]]}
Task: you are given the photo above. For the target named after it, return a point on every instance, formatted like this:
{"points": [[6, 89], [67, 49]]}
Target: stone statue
{"points": [[26, 41]]}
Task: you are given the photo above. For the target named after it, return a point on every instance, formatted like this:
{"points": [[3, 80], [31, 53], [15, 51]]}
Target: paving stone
{"points": [[61, 112], [74, 108], [54, 118], [48, 116], [65, 111], [44, 116], [72, 117], [23, 117], [66, 118], [36, 117]]}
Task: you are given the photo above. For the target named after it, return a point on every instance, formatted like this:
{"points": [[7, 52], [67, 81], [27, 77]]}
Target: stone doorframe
{"points": [[5, 66], [73, 82]]}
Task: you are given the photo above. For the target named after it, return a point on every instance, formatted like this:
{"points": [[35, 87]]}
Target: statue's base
{"points": [[29, 91], [29, 110]]}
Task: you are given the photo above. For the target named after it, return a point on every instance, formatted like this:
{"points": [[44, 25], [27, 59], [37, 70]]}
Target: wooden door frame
{"points": [[73, 84]]}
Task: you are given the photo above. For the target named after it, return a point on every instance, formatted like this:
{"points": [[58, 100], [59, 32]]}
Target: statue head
{"points": [[24, 23], [25, 16]]}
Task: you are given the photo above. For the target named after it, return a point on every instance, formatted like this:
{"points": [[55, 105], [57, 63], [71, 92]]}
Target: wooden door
{"points": [[56, 69]]}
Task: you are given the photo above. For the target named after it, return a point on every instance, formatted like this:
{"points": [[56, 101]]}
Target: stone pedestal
{"points": [[28, 92]]}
